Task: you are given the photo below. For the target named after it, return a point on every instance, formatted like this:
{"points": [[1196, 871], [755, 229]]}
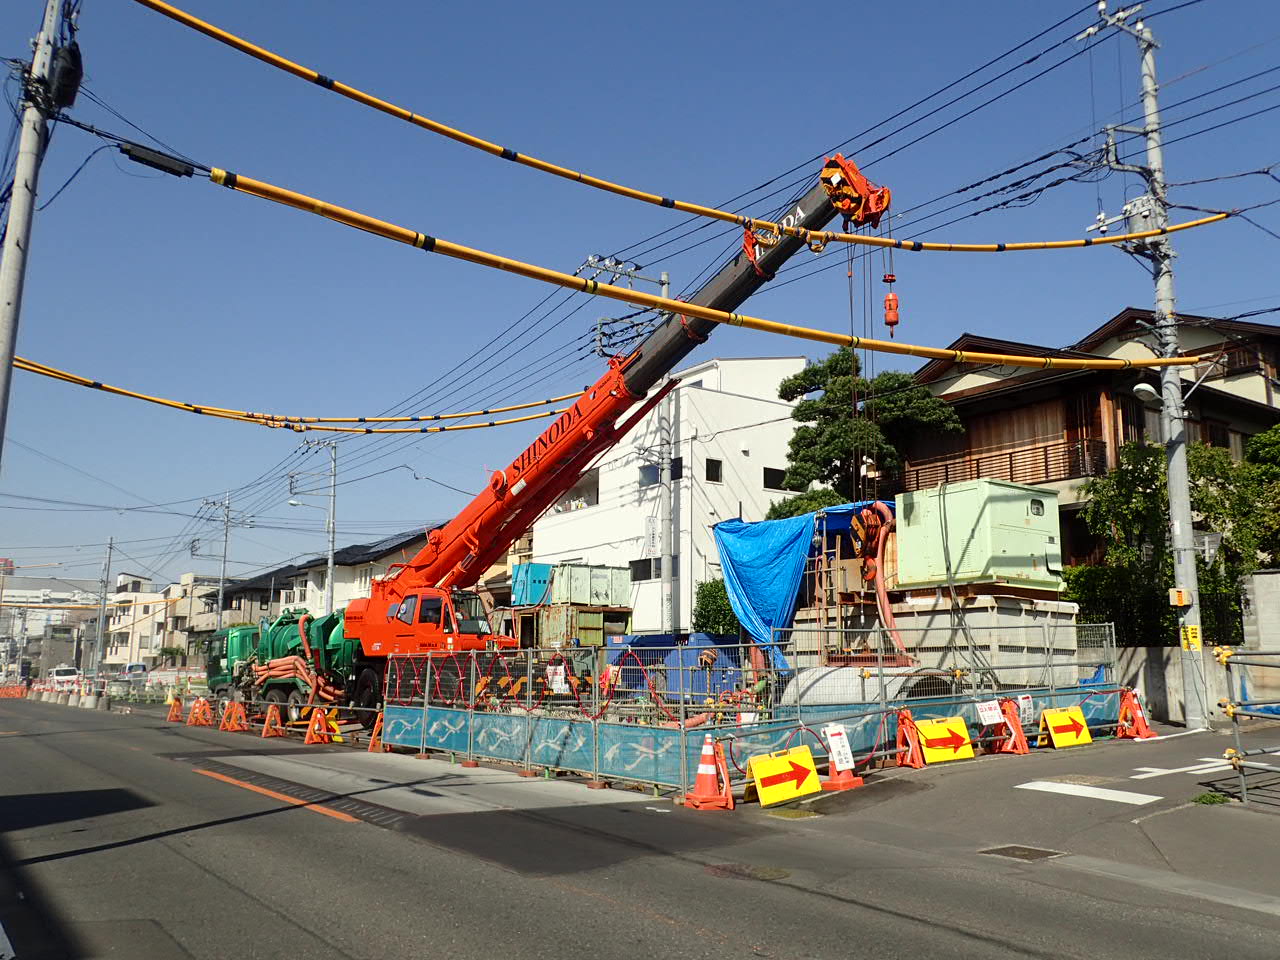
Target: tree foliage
{"points": [[806, 502], [712, 612], [830, 441], [1128, 510]]}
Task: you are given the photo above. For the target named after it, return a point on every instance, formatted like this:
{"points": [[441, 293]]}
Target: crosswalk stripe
{"points": [[1093, 793]]}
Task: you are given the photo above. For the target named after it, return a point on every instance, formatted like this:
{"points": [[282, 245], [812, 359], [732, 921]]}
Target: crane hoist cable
{"points": [[430, 244], [816, 239], [302, 424]]}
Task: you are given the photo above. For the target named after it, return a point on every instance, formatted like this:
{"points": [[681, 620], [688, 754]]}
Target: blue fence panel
{"points": [[632, 752], [402, 727], [446, 730], [563, 744], [501, 736]]}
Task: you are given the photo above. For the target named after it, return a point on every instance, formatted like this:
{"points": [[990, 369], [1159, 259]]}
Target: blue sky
{"points": [[178, 288]]}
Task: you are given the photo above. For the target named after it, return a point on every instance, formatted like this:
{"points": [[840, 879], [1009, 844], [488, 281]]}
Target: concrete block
{"points": [[64, 698], [104, 703], [73, 700], [89, 701]]}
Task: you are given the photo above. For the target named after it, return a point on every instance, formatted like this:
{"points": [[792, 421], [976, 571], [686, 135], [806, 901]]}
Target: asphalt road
{"points": [[113, 844]]}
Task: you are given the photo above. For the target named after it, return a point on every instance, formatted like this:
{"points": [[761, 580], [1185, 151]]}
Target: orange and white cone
{"points": [[708, 794]]}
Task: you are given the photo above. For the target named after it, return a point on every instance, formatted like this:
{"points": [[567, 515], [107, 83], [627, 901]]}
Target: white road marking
{"points": [[1093, 793], [1170, 736], [1206, 765], [6, 948]]}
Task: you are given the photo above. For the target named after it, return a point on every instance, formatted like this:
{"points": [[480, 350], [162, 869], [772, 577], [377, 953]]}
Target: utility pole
{"points": [[666, 511], [332, 522], [1145, 213], [26, 176], [100, 648]]}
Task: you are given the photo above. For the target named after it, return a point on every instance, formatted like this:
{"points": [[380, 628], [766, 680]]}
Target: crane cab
{"points": [[425, 620]]}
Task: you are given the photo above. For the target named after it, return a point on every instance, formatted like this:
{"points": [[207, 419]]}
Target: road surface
{"points": [[125, 836]]}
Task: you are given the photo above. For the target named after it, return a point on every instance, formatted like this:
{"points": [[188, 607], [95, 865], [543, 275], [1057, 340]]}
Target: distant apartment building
{"points": [[135, 622], [38, 603], [729, 457]]}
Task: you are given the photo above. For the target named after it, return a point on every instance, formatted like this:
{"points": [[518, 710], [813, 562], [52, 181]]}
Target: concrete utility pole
{"points": [[26, 176], [332, 523], [100, 647], [226, 540], [666, 509], [1145, 213]]}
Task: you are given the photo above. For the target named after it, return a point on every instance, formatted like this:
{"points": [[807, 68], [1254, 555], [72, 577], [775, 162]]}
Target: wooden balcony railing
{"points": [[1066, 460]]}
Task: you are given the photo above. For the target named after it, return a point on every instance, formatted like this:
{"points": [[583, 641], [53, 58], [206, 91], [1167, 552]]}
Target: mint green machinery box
{"points": [[985, 531]]}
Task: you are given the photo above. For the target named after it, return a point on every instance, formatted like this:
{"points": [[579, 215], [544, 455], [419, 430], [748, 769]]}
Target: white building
{"points": [[33, 603], [135, 622], [730, 454], [354, 569]]}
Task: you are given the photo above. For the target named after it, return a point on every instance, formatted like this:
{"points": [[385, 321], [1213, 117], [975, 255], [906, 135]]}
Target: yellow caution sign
{"points": [[785, 775], [1063, 727], [1191, 636], [945, 739]]}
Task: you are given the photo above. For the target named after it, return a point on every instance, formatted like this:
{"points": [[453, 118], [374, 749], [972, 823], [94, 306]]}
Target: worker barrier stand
{"points": [[1263, 668], [175, 710], [1132, 722], [272, 725], [201, 714], [234, 719]]}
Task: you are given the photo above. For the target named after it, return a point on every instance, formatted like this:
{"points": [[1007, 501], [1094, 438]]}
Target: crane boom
{"points": [[455, 555]]}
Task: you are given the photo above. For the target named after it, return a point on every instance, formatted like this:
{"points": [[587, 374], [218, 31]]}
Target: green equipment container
{"points": [[979, 531]]}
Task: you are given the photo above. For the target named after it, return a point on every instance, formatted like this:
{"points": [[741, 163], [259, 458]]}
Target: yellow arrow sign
{"points": [[785, 775], [944, 739], [1063, 727]]}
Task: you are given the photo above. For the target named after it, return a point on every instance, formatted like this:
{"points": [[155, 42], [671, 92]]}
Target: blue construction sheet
{"points": [[763, 564], [675, 672]]}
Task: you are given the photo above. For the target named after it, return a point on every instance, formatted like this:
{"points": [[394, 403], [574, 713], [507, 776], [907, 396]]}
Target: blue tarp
{"points": [[763, 564]]}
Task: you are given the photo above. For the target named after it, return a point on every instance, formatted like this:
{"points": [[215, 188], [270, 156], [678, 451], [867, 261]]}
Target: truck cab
{"points": [[423, 620], [224, 651]]}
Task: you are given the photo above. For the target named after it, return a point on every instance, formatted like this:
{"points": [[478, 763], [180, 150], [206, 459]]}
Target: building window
{"points": [[774, 479], [715, 471], [677, 468], [585, 493], [649, 568], [263, 603], [648, 475], [146, 608]]}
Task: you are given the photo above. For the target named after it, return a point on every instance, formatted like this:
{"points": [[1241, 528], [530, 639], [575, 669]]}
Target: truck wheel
{"points": [[297, 706], [368, 697], [275, 697]]}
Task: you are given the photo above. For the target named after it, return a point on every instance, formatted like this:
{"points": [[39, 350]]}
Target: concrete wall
{"points": [[1156, 673]]}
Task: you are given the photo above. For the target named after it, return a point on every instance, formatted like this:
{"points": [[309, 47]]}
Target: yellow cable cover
{"points": [[391, 231], [815, 238], [299, 424]]}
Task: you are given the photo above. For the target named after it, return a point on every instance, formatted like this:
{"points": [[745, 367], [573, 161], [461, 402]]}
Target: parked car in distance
{"points": [[135, 673], [64, 677]]}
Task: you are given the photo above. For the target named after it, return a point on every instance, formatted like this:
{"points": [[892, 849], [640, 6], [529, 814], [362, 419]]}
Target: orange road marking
{"points": [[336, 814]]}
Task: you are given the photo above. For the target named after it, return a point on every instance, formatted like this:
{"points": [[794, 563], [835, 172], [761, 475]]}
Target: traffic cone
{"points": [[375, 737], [271, 726], [234, 719], [840, 779], [1013, 740], [1131, 724], [200, 715], [909, 752], [318, 728], [707, 792], [175, 711]]}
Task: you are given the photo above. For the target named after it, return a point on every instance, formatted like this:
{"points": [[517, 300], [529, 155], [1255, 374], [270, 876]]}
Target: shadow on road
{"points": [[21, 811]]}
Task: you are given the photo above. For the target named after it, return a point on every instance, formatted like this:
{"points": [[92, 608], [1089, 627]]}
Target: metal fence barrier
{"points": [[1239, 665], [641, 713]]}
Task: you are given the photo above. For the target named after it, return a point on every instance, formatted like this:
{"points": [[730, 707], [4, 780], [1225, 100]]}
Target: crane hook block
{"points": [[851, 193], [891, 311]]}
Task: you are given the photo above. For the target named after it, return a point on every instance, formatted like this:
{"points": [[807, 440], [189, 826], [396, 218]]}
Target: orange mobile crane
{"points": [[422, 606]]}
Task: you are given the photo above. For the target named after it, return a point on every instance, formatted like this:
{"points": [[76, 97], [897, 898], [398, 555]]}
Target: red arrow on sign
{"points": [[798, 773], [953, 740], [1074, 728]]}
